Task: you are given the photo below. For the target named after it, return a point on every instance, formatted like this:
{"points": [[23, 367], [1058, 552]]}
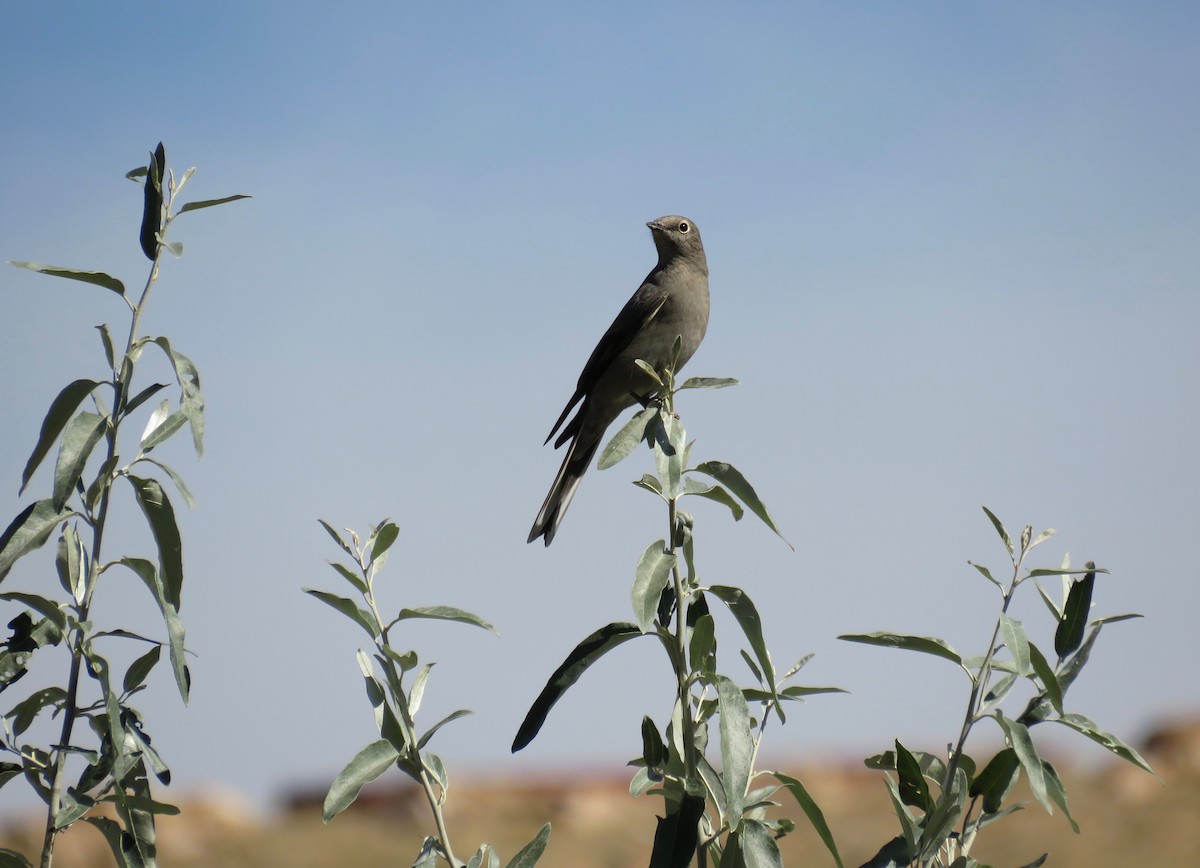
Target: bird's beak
{"points": [[652, 225]]}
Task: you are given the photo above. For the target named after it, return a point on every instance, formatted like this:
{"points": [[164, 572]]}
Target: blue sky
{"points": [[954, 262]]}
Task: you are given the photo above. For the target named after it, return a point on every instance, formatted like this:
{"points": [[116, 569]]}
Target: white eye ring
{"points": [[684, 227]]}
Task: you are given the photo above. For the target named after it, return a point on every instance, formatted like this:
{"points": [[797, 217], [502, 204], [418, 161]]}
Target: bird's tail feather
{"points": [[575, 464]]}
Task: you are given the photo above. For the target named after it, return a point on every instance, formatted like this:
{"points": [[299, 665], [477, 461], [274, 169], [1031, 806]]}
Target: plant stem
{"points": [[409, 725], [979, 684], [120, 383]]}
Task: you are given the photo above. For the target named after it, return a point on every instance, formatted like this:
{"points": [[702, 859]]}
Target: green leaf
{"points": [[158, 431], [675, 838], [623, 443], [652, 576], [531, 852], [136, 674], [348, 608], [707, 383], [940, 822], [730, 477], [62, 408], [26, 711], [702, 646], [180, 485], [79, 438], [813, 811], [1008, 543], [1018, 738], [191, 402], [29, 531], [746, 614], [99, 278], [1086, 726], [444, 613], [654, 749], [209, 203], [70, 562], [924, 644], [1069, 634], [914, 791], [986, 573], [337, 538], [349, 575], [1058, 793], [759, 849], [156, 506], [996, 780], [454, 715], [1045, 673], [1016, 642], [367, 765], [715, 493], [13, 859], [107, 344], [578, 661], [668, 441], [737, 747], [42, 606], [382, 539]]}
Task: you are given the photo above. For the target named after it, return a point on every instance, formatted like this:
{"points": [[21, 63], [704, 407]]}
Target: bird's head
{"points": [[675, 235]]}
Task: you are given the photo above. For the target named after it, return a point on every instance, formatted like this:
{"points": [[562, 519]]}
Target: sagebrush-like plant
{"points": [[714, 812], [396, 703], [102, 753], [943, 802]]}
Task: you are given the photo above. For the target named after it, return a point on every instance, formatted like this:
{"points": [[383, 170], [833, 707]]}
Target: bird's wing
{"points": [[637, 312]]}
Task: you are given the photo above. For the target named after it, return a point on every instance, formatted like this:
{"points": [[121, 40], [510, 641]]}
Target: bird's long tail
{"points": [[575, 464]]}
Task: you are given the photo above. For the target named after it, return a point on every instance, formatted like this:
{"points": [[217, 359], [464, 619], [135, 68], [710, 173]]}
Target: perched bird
{"points": [[672, 301]]}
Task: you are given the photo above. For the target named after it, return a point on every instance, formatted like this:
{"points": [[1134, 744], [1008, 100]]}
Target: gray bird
{"points": [[672, 301]]}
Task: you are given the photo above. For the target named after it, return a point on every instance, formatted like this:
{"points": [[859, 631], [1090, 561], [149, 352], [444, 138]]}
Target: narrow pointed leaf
{"points": [[730, 477], [707, 383], [813, 811], [209, 203], [996, 780], [180, 485], [1045, 674], [746, 614], [924, 644], [1069, 635], [627, 438], [79, 438], [1016, 642], [1018, 738], [528, 855], [160, 515], [337, 538], [28, 531], [164, 431], [348, 608], [651, 577], [1107, 740], [578, 661], [1008, 543], [445, 613], [737, 747], [367, 765], [62, 408], [454, 715], [99, 278]]}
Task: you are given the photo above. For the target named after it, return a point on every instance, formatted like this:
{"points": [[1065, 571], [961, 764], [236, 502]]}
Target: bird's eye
{"points": [[684, 227]]}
